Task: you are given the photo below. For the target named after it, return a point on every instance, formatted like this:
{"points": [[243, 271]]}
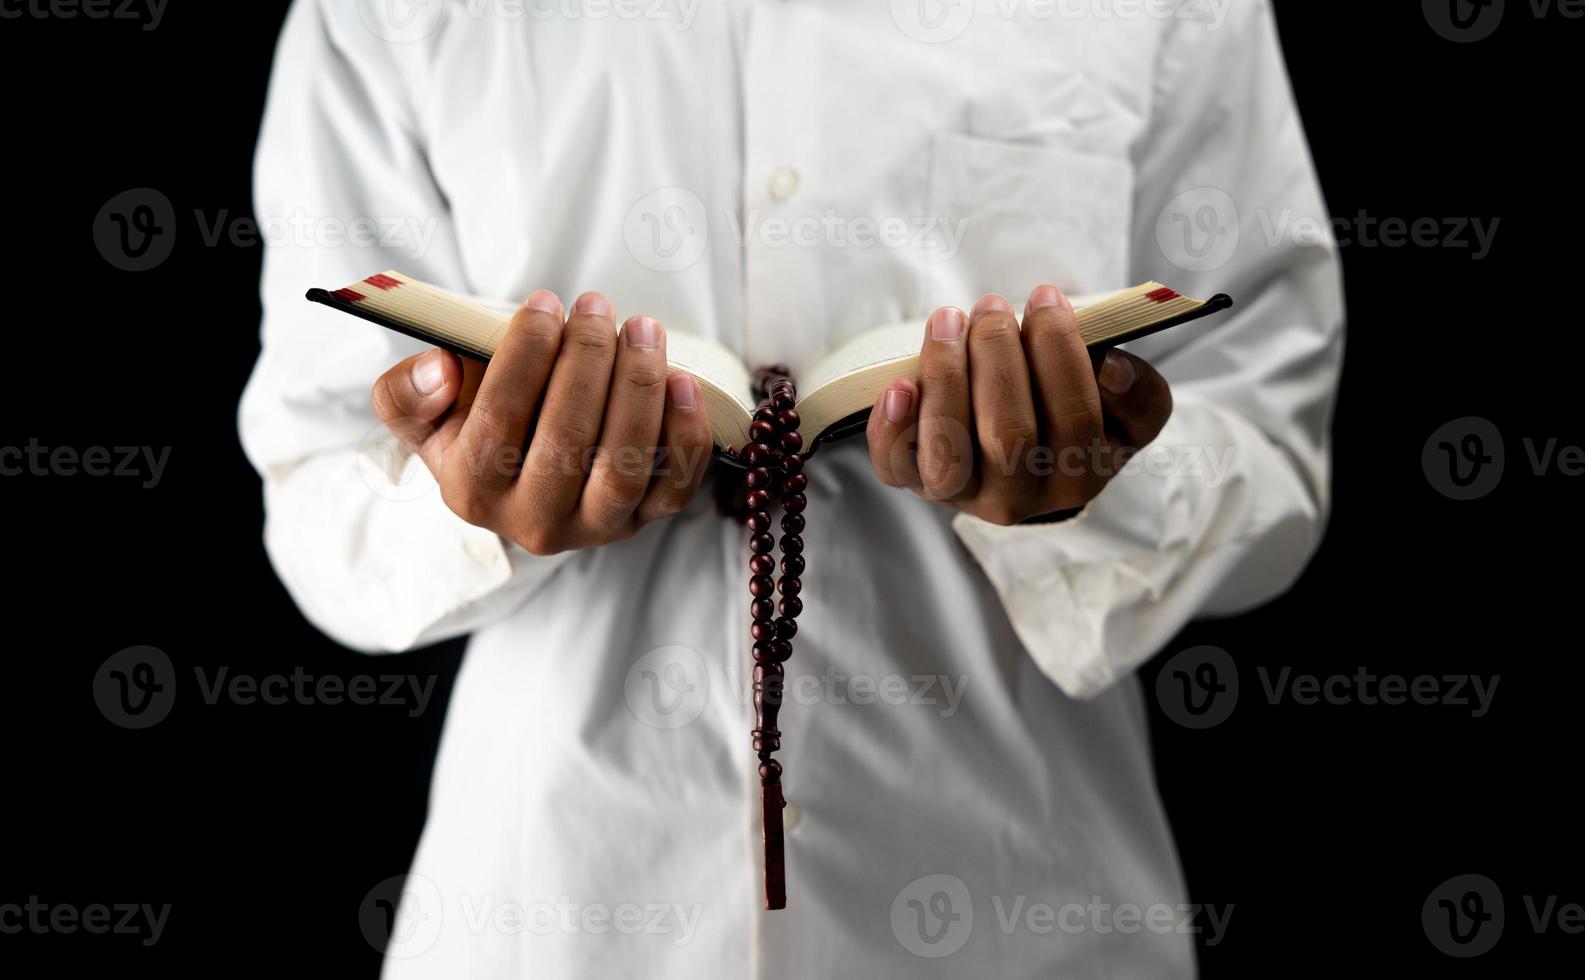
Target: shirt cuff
{"points": [[1061, 583]]}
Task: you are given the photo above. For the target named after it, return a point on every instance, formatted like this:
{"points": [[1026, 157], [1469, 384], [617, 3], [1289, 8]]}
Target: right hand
{"points": [[612, 442]]}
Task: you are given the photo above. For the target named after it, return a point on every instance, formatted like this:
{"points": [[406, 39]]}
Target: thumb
{"points": [[1136, 398], [413, 395]]}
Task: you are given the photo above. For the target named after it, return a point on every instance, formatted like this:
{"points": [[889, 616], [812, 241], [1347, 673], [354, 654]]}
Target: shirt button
{"points": [[481, 550], [790, 816], [784, 183]]}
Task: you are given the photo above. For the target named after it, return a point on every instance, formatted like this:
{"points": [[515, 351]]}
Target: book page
{"points": [[852, 377]]}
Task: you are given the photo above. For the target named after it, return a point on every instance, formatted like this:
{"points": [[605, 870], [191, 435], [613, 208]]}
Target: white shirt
{"points": [[965, 749]]}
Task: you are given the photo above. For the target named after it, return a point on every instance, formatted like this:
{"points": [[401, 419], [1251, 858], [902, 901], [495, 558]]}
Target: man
{"points": [[964, 741]]}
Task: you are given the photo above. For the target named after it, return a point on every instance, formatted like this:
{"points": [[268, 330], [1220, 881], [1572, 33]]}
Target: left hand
{"points": [[1008, 424]]}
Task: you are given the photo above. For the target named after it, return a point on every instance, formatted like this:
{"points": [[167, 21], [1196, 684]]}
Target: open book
{"points": [[835, 396]]}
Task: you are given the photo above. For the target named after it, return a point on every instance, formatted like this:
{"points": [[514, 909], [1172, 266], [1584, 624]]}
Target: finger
{"points": [[570, 416], [489, 450], [685, 455], [945, 446], [893, 426], [625, 456], [1067, 399], [1004, 413], [413, 397], [1137, 399]]}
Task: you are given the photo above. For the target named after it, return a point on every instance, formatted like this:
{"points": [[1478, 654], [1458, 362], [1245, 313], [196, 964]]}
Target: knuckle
{"points": [[594, 341], [994, 332], [943, 372], [670, 500], [538, 332], [1004, 513], [540, 540], [620, 483], [1010, 437], [489, 422], [558, 449], [647, 377], [467, 500], [1079, 421]]}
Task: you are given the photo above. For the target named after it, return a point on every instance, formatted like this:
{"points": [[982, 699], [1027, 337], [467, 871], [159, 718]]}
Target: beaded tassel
{"points": [[775, 466]]}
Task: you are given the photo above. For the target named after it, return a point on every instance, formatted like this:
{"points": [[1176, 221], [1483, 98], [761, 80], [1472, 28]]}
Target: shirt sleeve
{"points": [[1225, 508], [355, 526]]}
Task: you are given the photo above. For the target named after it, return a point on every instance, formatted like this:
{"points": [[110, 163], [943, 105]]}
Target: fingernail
{"points": [[947, 324], [429, 373], [593, 303], [641, 331], [544, 301], [991, 301], [1045, 296], [682, 392], [898, 403], [1117, 373]]}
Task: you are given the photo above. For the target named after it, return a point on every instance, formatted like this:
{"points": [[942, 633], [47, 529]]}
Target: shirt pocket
{"points": [[1024, 214]]}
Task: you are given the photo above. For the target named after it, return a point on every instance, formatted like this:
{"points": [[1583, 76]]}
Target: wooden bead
{"points": [[761, 564], [793, 523], [758, 521], [762, 432], [789, 585], [759, 477], [760, 586], [765, 414], [797, 483], [788, 421], [770, 771], [761, 544], [763, 629], [792, 544], [782, 400], [786, 629], [756, 454], [762, 608], [794, 503], [764, 651], [791, 442], [793, 564], [782, 650], [791, 607], [792, 463], [757, 499]]}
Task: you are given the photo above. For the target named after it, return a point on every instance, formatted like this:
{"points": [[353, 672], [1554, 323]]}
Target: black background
{"points": [[1325, 826]]}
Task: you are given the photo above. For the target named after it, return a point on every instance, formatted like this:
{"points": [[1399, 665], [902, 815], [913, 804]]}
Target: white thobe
{"points": [[967, 759]]}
